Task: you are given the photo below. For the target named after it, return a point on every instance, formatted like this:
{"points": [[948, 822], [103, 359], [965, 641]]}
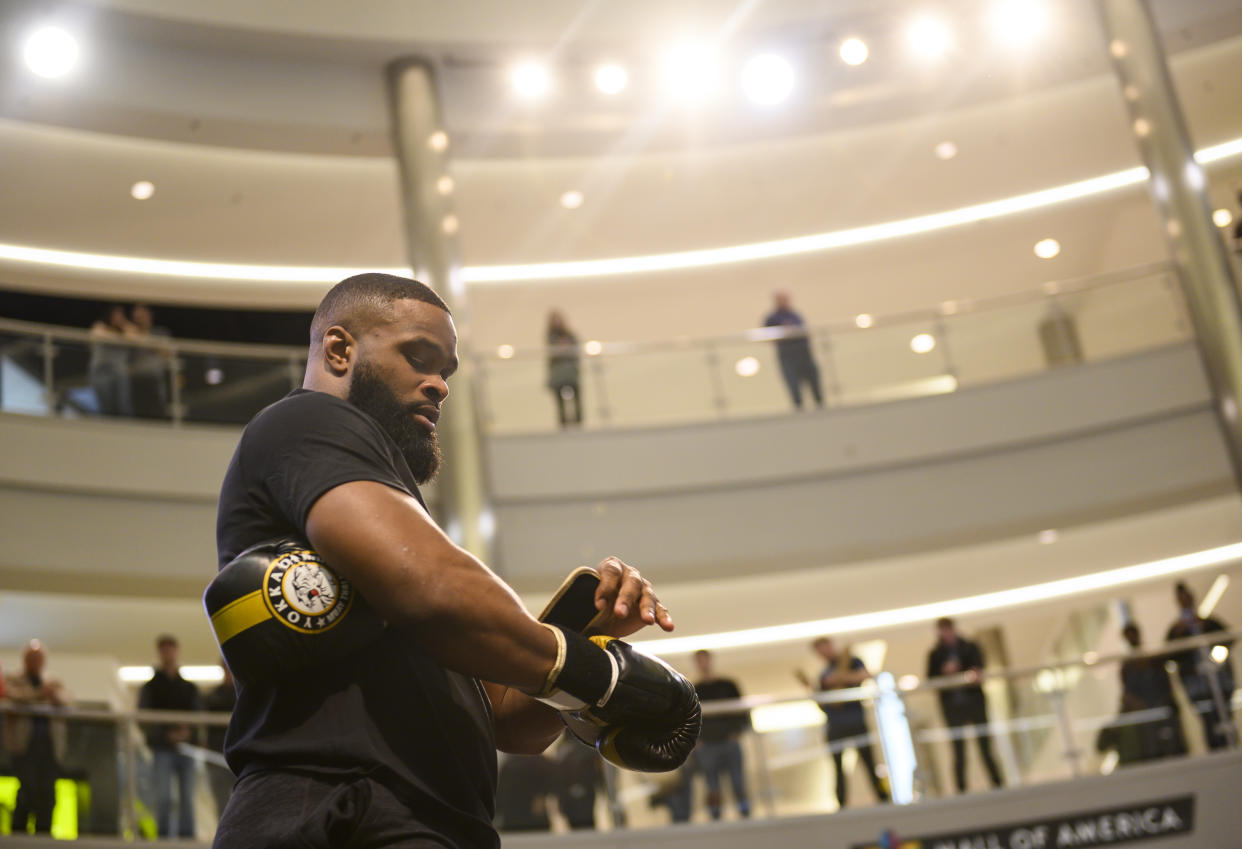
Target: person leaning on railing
{"points": [[36, 742]]}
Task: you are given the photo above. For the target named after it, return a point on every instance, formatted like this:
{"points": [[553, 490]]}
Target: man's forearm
{"points": [[524, 726]]}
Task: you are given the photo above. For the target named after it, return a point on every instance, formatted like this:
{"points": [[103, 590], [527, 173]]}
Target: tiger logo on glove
{"points": [[304, 594]]}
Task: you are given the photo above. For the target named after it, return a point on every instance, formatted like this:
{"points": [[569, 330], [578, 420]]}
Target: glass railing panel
{"points": [[1129, 316], [92, 379], [22, 378], [881, 363], [223, 388], [514, 396], [751, 380], [648, 388], [991, 345]]}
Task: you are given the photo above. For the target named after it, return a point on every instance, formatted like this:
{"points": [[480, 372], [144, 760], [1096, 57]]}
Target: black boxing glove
{"points": [[277, 609], [637, 711]]}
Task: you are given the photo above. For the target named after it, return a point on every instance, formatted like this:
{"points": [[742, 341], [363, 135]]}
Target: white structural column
{"points": [[423, 150], [1177, 185]]}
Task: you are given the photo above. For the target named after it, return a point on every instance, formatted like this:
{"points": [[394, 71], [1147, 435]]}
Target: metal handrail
{"points": [[1050, 289], [284, 352], [716, 706], [163, 343]]}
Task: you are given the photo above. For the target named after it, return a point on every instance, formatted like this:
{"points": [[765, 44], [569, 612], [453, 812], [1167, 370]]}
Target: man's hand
{"points": [[630, 598]]}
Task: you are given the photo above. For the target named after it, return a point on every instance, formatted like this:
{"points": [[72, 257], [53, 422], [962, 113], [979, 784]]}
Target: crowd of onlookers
{"points": [[1149, 726]]}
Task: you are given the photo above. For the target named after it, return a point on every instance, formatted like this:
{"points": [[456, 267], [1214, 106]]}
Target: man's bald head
{"points": [[358, 302]]}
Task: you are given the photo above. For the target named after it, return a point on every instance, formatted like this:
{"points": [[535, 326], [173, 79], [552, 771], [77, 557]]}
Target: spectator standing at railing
{"points": [[1145, 686], [167, 690], [221, 699], [108, 371], [719, 750], [36, 743], [148, 366], [1208, 683], [963, 707], [794, 351], [563, 370], [847, 722]]}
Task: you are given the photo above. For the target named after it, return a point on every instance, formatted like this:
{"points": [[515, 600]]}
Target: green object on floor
{"points": [[64, 814]]}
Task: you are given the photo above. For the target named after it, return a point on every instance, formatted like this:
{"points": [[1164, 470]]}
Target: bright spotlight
{"points": [[593, 348], [929, 38], [689, 71], [444, 185], [854, 51], [572, 199], [923, 343], [767, 79], [142, 190], [1047, 248], [747, 367], [438, 141], [449, 224], [611, 79], [864, 320], [1019, 22], [530, 80], [1222, 218], [1047, 536], [51, 52], [505, 352], [946, 150], [1220, 653]]}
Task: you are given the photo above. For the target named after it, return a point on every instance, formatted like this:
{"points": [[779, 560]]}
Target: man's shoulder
{"points": [[306, 410]]}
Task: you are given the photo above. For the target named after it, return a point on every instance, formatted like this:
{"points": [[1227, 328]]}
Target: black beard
{"points": [[420, 447]]}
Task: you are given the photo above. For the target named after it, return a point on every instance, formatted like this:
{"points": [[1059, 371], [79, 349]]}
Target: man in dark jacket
{"points": [[1208, 682], [167, 690], [963, 707]]}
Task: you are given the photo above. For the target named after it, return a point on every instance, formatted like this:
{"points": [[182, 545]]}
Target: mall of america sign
{"points": [[1118, 826]]}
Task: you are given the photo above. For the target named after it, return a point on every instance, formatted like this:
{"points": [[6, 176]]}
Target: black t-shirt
{"points": [[389, 710], [166, 692], [845, 719], [720, 727]]}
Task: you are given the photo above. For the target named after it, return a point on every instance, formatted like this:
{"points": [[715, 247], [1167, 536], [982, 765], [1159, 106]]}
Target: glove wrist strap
{"points": [[583, 673]]}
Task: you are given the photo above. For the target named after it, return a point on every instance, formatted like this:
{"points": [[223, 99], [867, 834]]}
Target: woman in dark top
{"points": [[563, 370]]}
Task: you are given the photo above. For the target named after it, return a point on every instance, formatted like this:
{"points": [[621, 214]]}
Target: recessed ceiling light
{"points": [[530, 80], [1047, 536], [747, 367], [1220, 653], [929, 37], [50, 52], [854, 51], [1142, 127], [572, 199], [444, 185], [214, 376], [946, 150], [505, 352], [1047, 248], [142, 190], [438, 141], [611, 79], [922, 343], [907, 682], [593, 348], [1222, 218], [450, 224], [690, 71], [864, 320], [767, 79], [1019, 22]]}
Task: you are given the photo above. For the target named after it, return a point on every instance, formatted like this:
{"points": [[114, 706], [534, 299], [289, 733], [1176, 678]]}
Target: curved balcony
{"points": [[960, 344]]}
